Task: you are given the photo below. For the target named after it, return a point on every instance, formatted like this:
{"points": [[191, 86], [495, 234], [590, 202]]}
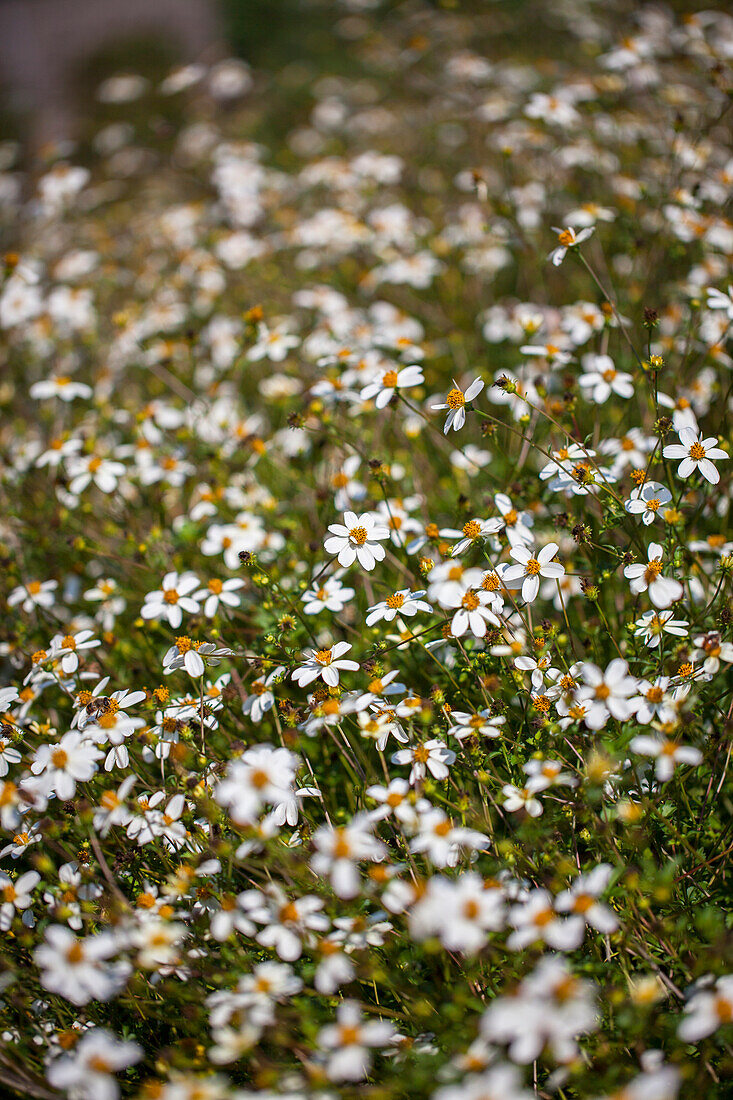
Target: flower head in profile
{"points": [[456, 401], [568, 238]]}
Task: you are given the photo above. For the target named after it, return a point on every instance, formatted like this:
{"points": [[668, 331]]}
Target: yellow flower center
{"points": [[472, 529], [170, 595], [697, 451], [455, 399], [389, 380], [324, 656], [396, 601], [532, 567], [59, 758], [358, 535]]}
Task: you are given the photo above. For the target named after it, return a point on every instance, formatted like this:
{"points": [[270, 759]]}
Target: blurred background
{"points": [[54, 53]]}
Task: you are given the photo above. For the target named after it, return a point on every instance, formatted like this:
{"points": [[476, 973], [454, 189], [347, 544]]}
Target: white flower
{"points": [[458, 911], [521, 798], [217, 592], [83, 470], [551, 1007], [68, 646], [15, 896], [272, 343], [481, 724], [530, 568], [330, 596], [389, 382], [667, 753], [663, 591], [442, 841], [456, 402], [718, 299], [357, 538], [535, 919], [61, 766], [472, 533], [707, 1009], [326, 663], [653, 625], [501, 1082], [60, 386], [261, 699], [714, 650], [582, 899], [193, 656], [607, 694], [646, 500], [602, 379], [33, 594], [77, 969], [174, 596], [86, 1073], [403, 602], [260, 775], [568, 238], [339, 849], [696, 454], [430, 756], [475, 614], [348, 1039]]}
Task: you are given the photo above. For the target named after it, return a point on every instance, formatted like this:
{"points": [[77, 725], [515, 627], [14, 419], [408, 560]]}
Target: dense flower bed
{"points": [[366, 552]]}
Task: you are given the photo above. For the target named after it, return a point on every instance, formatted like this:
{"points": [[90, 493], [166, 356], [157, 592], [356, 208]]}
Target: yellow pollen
{"points": [[420, 754], [455, 399], [59, 758], [324, 656], [183, 644], [68, 642], [602, 692], [470, 601], [396, 601], [655, 694], [389, 380], [215, 585], [697, 452], [532, 567], [170, 595], [359, 535], [653, 569], [472, 529]]}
